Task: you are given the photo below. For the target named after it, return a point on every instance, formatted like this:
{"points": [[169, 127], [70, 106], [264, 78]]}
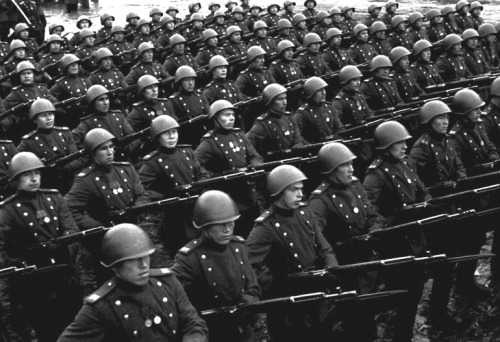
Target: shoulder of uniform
{"points": [[83, 118], [303, 107], [184, 146], [302, 204], [29, 135], [375, 164], [174, 95], [6, 141], [197, 91], [236, 129], [209, 134], [59, 128], [101, 292], [211, 83], [237, 238], [275, 62], [456, 127], [94, 72], [49, 191], [160, 272], [16, 87], [191, 246], [262, 117], [85, 172], [7, 200], [263, 216], [423, 139], [121, 163], [115, 111], [151, 155], [355, 179], [320, 189], [138, 103], [162, 99]]}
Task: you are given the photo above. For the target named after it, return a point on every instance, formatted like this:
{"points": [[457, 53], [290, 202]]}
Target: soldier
{"points": [[235, 49], [212, 7], [417, 28], [245, 4], [226, 255], [288, 14], [335, 14], [287, 239], [317, 119], [173, 11], [449, 22], [167, 31], [400, 35], [323, 22], [277, 129], [17, 54], [107, 24], [299, 27], [350, 103], [219, 23], [49, 142], [492, 114], [452, 65], [146, 65], [86, 50], [379, 40], [143, 112], [475, 14], [310, 61], [360, 51], [227, 149], [272, 17], [488, 46], [381, 91], [220, 88], [131, 27], [36, 15], [118, 46], [155, 14], [8, 150], [436, 30], [309, 10], [144, 35], [21, 32], [55, 54], [408, 88], [106, 75], [138, 303], [179, 56], [284, 32], [349, 21], [373, 15], [463, 20], [334, 55], [426, 73], [474, 58], [261, 39], [253, 16], [391, 7], [230, 4], [194, 33], [31, 217], [82, 22], [238, 19], [210, 39]]}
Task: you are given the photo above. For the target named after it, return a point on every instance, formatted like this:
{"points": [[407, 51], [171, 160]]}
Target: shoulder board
{"points": [[236, 129], [101, 292], [264, 216], [136, 65], [115, 111], [423, 140], [191, 246], [209, 134], [375, 164], [355, 179], [160, 272], [151, 155], [174, 95], [86, 117], [197, 91], [49, 191], [262, 117], [6, 141], [59, 128], [320, 189], [123, 163], [86, 171], [456, 127], [209, 84], [16, 87], [161, 99], [94, 72], [29, 135], [7, 200], [304, 107], [138, 103], [274, 62], [244, 72], [184, 146], [237, 238], [303, 204]]}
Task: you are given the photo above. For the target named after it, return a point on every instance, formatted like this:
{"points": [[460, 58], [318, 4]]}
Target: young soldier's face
{"points": [[343, 173], [29, 181], [104, 154], [134, 271], [169, 138], [220, 233], [291, 197], [45, 120]]}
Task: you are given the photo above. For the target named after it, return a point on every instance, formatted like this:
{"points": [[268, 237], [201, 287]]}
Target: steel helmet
{"points": [[95, 91], [176, 39], [209, 33], [470, 33], [160, 124], [237, 9], [255, 6], [447, 10], [145, 46], [377, 26], [117, 29], [125, 241], [373, 7], [96, 137], [315, 3], [414, 17], [68, 59], [321, 15], [420, 46], [232, 29], [196, 16], [271, 5], [344, 9], [349, 72], [102, 53], [297, 18], [432, 109], [332, 32], [486, 29], [214, 207], [145, 81], [466, 100], [132, 15], [217, 61], [359, 28], [283, 24], [219, 13], [312, 38], [332, 155], [183, 72], [450, 40], [155, 10], [281, 177], [142, 22], [219, 105], [172, 8], [82, 18], [259, 25], [476, 4], [462, 3], [391, 3], [16, 44], [54, 38], [495, 87], [398, 19], [229, 2], [86, 32], [397, 53], [213, 3], [380, 61], [312, 85], [41, 106], [191, 5], [24, 65], [433, 13], [20, 27], [253, 52], [53, 26], [334, 10], [388, 133], [271, 91], [105, 16], [22, 162], [288, 3], [283, 45], [166, 19]]}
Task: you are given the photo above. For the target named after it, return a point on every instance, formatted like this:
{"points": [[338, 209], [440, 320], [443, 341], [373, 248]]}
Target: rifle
{"points": [[467, 82], [25, 17], [127, 139], [312, 148], [15, 109], [465, 183], [70, 101], [152, 206], [69, 239], [14, 271], [61, 160], [352, 132], [479, 169], [7, 76], [244, 104], [48, 66]]}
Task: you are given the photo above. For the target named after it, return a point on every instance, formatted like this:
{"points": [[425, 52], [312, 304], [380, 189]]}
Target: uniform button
{"points": [[165, 299], [118, 303], [126, 316]]}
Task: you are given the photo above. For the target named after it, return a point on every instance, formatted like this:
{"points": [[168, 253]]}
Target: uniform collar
{"points": [[282, 211]]}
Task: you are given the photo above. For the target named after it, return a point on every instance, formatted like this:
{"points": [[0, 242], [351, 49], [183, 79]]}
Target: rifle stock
{"points": [[62, 160], [69, 239], [70, 101]]}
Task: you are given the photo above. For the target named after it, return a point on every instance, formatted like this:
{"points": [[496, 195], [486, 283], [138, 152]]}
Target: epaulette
{"points": [[6, 141], [208, 134], [49, 191], [237, 238], [209, 84], [304, 107], [17, 87], [264, 216], [174, 95], [262, 117], [101, 292], [355, 179], [94, 72], [7, 200], [375, 164], [244, 71], [160, 272], [161, 99], [61, 128], [121, 163], [29, 135], [320, 189], [302, 204], [151, 155], [287, 113], [236, 129], [86, 171], [454, 129], [423, 140], [191, 246], [184, 146], [86, 117], [274, 62], [138, 103]]}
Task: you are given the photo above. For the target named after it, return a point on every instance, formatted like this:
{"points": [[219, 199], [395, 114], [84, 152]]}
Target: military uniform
{"points": [[490, 52], [143, 68], [241, 24], [426, 74], [476, 61], [189, 105], [387, 19], [87, 52], [401, 38], [312, 64], [163, 39], [476, 21], [418, 34], [320, 29], [174, 61], [452, 68], [300, 33], [70, 86], [369, 20], [381, 46], [31, 46], [406, 84], [291, 37], [111, 79], [25, 93], [267, 43], [235, 49], [103, 33], [318, 121], [336, 58], [143, 38], [492, 123], [222, 89], [351, 107], [50, 58], [158, 311], [7, 151], [361, 52], [144, 112], [451, 26], [4, 49], [251, 20], [309, 13], [11, 64], [220, 29], [206, 53], [381, 93], [464, 21], [271, 20], [285, 71], [252, 82], [117, 48], [436, 32]]}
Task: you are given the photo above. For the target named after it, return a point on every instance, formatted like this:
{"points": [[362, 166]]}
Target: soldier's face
{"points": [[225, 118], [172, 13], [55, 47], [101, 103], [343, 173], [490, 38], [57, 30], [179, 48], [440, 123], [169, 138], [188, 84], [220, 233], [24, 34], [212, 41], [436, 20], [328, 20], [261, 33], [363, 36], [375, 12], [353, 84], [291, 197], [255, 12], [398, 150], [45, 120], [84, 24], [302, 24], [319, 96], [404, 63], [348, 14], [26, 77], [170, 25], [290, 8], [219, 20], [104, 154], [214, 8], [156, 17], [73, 68], [197, 24], [20, 53], [150, 92], [106, 63], [380, 35], [382, 72], [258, 62], [310, 4], [456, 49], [336, 41], [145, 29], [474, 115], [236, 37], [402, 26], [392, 9], [238, 16], [273, 9], [279, 103], [29, 181], [425, 55], [476, 12], [418, 23], [134, 271], [220, 72], [108, 22], [471, 42], [147, 56], [285, 32], [133, 21], [118, 36], [464, 10], [288, 54], [89, 40]]}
